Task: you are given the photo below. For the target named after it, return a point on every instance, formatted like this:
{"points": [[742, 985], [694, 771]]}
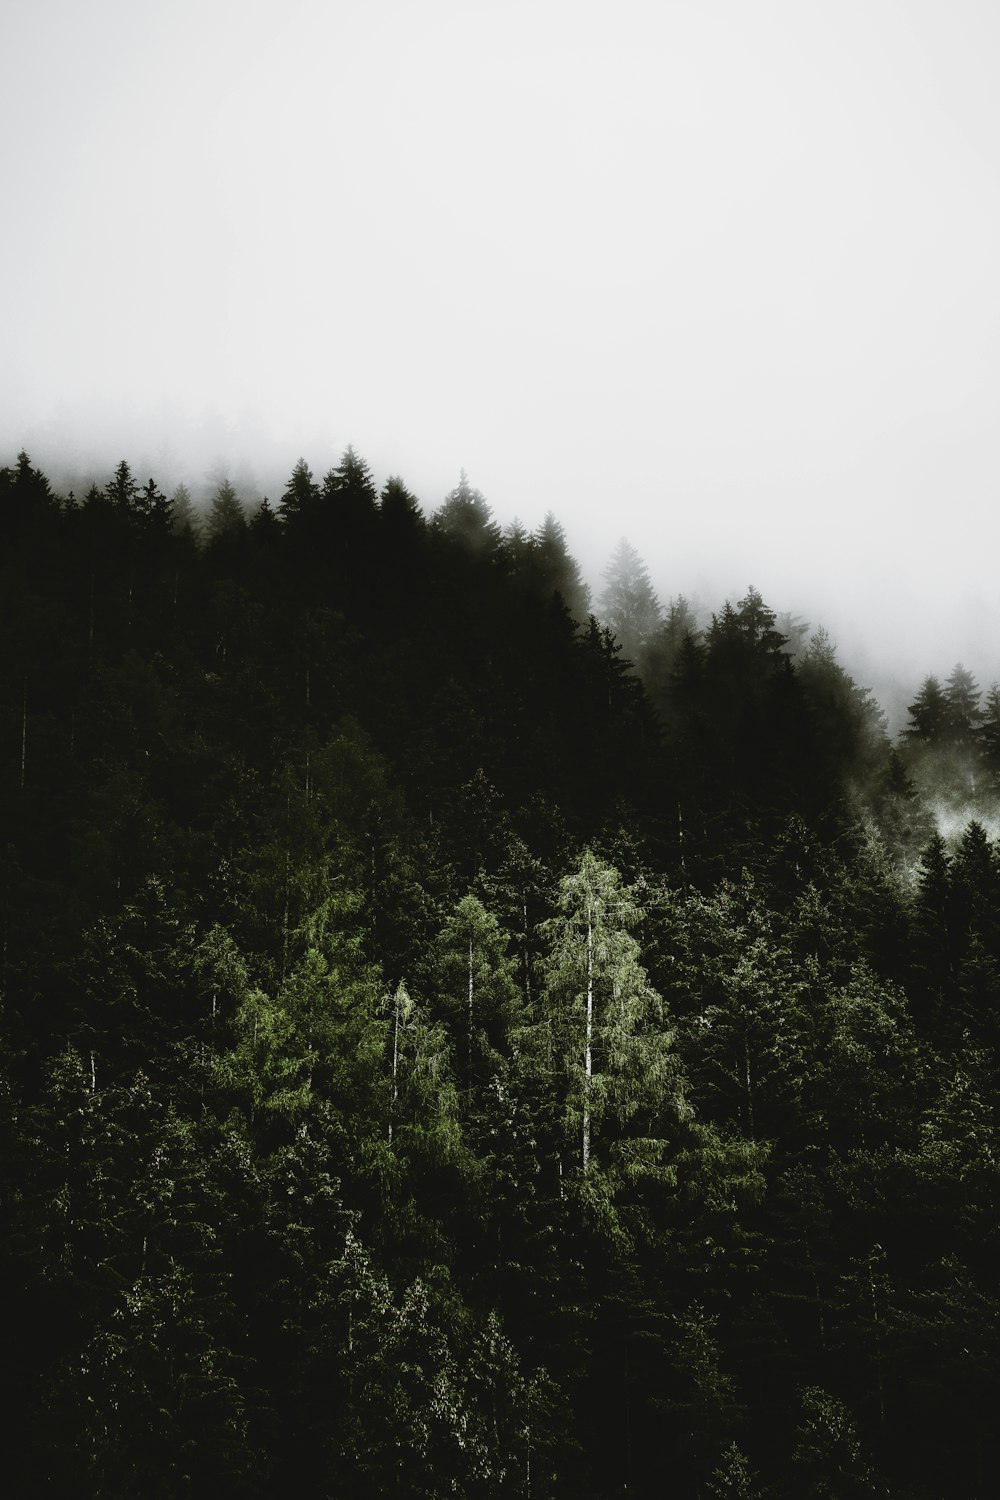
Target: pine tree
{"points": [[473, 980], [25, 499], [928, 715], [226, 516], [299, 500], [629, 605], [400, 516], [352, 488], [988, 735], [154, 510], [557, 571], [963, 713], [122, 491], [466, 518], [609, 1031], [183, 516]]}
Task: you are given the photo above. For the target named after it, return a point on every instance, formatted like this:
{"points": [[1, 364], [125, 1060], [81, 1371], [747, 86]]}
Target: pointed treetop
{"points": [[300, 494], [352, 474], [629, 604], [122, 490], [467, 517], [928, 714], [226, 516]]}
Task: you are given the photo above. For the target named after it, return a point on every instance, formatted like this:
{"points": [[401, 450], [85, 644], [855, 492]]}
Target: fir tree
{"points": [[628, 604]]}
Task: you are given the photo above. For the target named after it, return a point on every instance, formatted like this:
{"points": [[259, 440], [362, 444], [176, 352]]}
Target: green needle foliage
{"points": [[452, 1045]]}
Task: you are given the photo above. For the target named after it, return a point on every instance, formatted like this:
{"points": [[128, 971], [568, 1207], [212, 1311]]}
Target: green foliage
{"points": [[604, 1028], [828, 1460], [350, 1142]]}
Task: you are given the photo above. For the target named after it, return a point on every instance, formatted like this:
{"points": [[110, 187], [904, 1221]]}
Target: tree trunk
{"points": [[588, 1063], [469, 1056], [395, 1065]]}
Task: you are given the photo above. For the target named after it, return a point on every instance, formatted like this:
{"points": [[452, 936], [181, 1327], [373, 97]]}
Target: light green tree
{"points": [[607, 1027]]}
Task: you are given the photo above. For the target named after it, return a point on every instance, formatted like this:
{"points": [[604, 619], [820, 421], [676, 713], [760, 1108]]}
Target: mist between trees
{"points": [[462, 1037]]}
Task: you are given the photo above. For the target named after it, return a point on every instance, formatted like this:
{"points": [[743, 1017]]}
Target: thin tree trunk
{"points": [[395, 1065], [588, 1063], [469, 1059], [749, 1086]]}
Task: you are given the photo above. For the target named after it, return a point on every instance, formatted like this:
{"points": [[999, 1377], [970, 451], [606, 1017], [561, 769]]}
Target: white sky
{"points": [[721, 275]]}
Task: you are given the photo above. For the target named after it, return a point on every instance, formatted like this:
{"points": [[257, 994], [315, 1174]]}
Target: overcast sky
{"points": [[720, 275]]}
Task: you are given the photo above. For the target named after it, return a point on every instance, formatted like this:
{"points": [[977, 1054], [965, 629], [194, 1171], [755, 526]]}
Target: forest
{"points": [[463, 1038]]}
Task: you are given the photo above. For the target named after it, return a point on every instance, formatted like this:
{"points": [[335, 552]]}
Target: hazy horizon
{"points": [[720, 278]]}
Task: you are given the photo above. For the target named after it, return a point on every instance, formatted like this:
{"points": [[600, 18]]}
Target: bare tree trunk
{"points": [[469, 1058], [749, 1086], [588, 1061], [395, 1065]]}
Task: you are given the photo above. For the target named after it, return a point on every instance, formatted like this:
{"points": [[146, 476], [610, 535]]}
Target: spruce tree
{"points": [[609, 1032], [628, 604], [226, 516]]}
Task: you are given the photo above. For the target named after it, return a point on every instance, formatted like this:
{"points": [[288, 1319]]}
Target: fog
{"points": [[720, 277]]}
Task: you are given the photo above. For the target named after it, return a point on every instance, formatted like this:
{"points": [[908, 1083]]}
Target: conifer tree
{"points": [[963, 715], [154, 509], [298, 504], [558, 571], [467, 518], [628, 604], [928, 715], [473, 979], [226, 516], [122, 491], [183, 516], [609, 1030], [402, 520], [988, 734], [25, 498]]}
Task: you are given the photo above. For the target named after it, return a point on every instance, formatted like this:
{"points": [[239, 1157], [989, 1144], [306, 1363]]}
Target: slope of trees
{"points": [[441, 1060]]}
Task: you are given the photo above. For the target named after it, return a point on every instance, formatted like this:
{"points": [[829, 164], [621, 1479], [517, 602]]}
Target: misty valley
{"points": [[466, 1035]]}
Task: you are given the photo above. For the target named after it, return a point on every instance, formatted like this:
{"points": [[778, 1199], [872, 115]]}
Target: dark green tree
{"points": [[226, 516], [466, 518]]}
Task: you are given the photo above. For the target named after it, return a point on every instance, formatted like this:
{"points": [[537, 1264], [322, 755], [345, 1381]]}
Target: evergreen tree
{"points": [[628, 604], [402, 520], [473, 981], [184, 519], [988, 735], [928, 715], [558, 572], [26, 500], [350, 497], [610, 1037], [962, 715], [122, 492], [154, 510], [466, 518], [226, 516], [299, 500]]}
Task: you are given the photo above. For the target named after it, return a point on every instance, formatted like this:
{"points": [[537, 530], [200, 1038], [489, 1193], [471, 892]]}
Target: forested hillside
{"points": [[457, 1044]]}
